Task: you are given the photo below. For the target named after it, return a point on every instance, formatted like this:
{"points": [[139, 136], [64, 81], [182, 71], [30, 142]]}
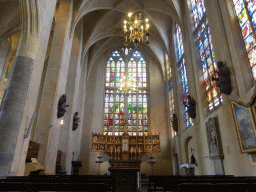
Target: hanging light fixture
{"points": [[127, 85], [136, 30]]}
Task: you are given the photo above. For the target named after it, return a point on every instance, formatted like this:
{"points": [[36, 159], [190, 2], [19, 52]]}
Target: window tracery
{"points": [[132, 105], [182, 68], [245, 11], [207, 56]]}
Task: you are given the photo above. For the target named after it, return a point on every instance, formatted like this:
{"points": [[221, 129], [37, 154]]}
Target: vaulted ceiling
{"points": [[103, 25]]}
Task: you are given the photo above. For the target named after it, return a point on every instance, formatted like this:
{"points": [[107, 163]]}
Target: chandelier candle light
{"points": [[135, 31], [127, 85]]}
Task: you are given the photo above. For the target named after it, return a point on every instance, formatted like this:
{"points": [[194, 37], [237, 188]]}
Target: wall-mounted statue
{"points": [[190, 103], [75, 121], [175, 122], [61, 106], [193, 160], [223, 79]]}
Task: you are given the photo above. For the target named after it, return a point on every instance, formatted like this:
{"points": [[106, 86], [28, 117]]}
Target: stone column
{"points": [[48, 125], [72, 89], [13, 103]]}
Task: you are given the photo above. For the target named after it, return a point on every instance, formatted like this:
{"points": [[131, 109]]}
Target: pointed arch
{"points": [[126, 68]]}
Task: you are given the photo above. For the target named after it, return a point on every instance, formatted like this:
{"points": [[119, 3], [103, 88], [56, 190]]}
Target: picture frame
{"points": [[245, 126]]}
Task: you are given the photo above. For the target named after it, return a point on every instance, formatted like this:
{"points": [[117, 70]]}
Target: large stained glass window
{"points": [[245, 11], [182, 68], [121, 105], [207, 56]]}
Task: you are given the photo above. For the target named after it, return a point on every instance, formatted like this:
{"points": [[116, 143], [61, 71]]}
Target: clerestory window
{"points": [[207, 56], [182, 68], [246, 14]]}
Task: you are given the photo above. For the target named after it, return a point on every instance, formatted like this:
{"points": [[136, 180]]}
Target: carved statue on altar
{"points": [[125, 138], [125, 126]]}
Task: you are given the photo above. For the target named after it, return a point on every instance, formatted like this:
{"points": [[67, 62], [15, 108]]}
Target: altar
{"points": [[125, 152]]}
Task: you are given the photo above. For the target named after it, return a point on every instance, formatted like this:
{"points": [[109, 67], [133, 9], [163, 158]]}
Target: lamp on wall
{"points": [[136, 30]]}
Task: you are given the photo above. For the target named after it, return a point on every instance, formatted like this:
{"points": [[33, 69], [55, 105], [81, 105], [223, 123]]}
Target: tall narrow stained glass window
{"points": [[121, 105], [207, 57], [245, 11], [182, 68], [171, 107]]}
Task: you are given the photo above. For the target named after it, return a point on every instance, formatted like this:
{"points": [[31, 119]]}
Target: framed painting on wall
{"points": [[245, 126]]}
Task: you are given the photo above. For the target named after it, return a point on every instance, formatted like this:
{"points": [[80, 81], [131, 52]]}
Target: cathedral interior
{"points": [[180, 71]]}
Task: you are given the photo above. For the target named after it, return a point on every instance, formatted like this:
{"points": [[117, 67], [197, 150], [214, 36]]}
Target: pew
{"points": [[57, 183], [205, 183]]}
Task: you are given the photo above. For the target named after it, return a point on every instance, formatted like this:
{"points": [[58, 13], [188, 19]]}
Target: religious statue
{"points": [[61, 106], [95, 138], [155, 139], [118, 140], [193, 159], [191, 105], [223, 79], [75, 121], [125, 139], [175, 122], [125, 126], [94, 147]]}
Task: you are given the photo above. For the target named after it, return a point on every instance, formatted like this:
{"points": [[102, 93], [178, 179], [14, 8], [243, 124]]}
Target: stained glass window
{"points": [[169, 69], [207, 56], [182, 68], [172, 111], [198, 10], [120, 105], [245, 11]]}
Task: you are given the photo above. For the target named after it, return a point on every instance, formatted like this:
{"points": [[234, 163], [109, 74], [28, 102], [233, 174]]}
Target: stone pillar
{"points": [[48, 126], [13, 103], [72, 89]]}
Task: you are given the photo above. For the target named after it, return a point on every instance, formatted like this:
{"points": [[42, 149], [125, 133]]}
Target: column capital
{"points": [[28, 45]]}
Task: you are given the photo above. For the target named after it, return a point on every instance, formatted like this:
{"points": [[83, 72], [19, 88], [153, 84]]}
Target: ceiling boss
{"points": [[136, 30]]}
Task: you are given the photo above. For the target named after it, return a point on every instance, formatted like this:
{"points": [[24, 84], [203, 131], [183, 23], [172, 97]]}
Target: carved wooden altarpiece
{"points": [[125, 154]]}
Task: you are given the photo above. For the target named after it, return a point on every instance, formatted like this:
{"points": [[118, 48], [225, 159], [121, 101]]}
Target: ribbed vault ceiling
{"points": [[103, 25]]}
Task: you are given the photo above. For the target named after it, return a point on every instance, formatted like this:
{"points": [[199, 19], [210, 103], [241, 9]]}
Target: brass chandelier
{"points": [[127, 85], [135, 30]]}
